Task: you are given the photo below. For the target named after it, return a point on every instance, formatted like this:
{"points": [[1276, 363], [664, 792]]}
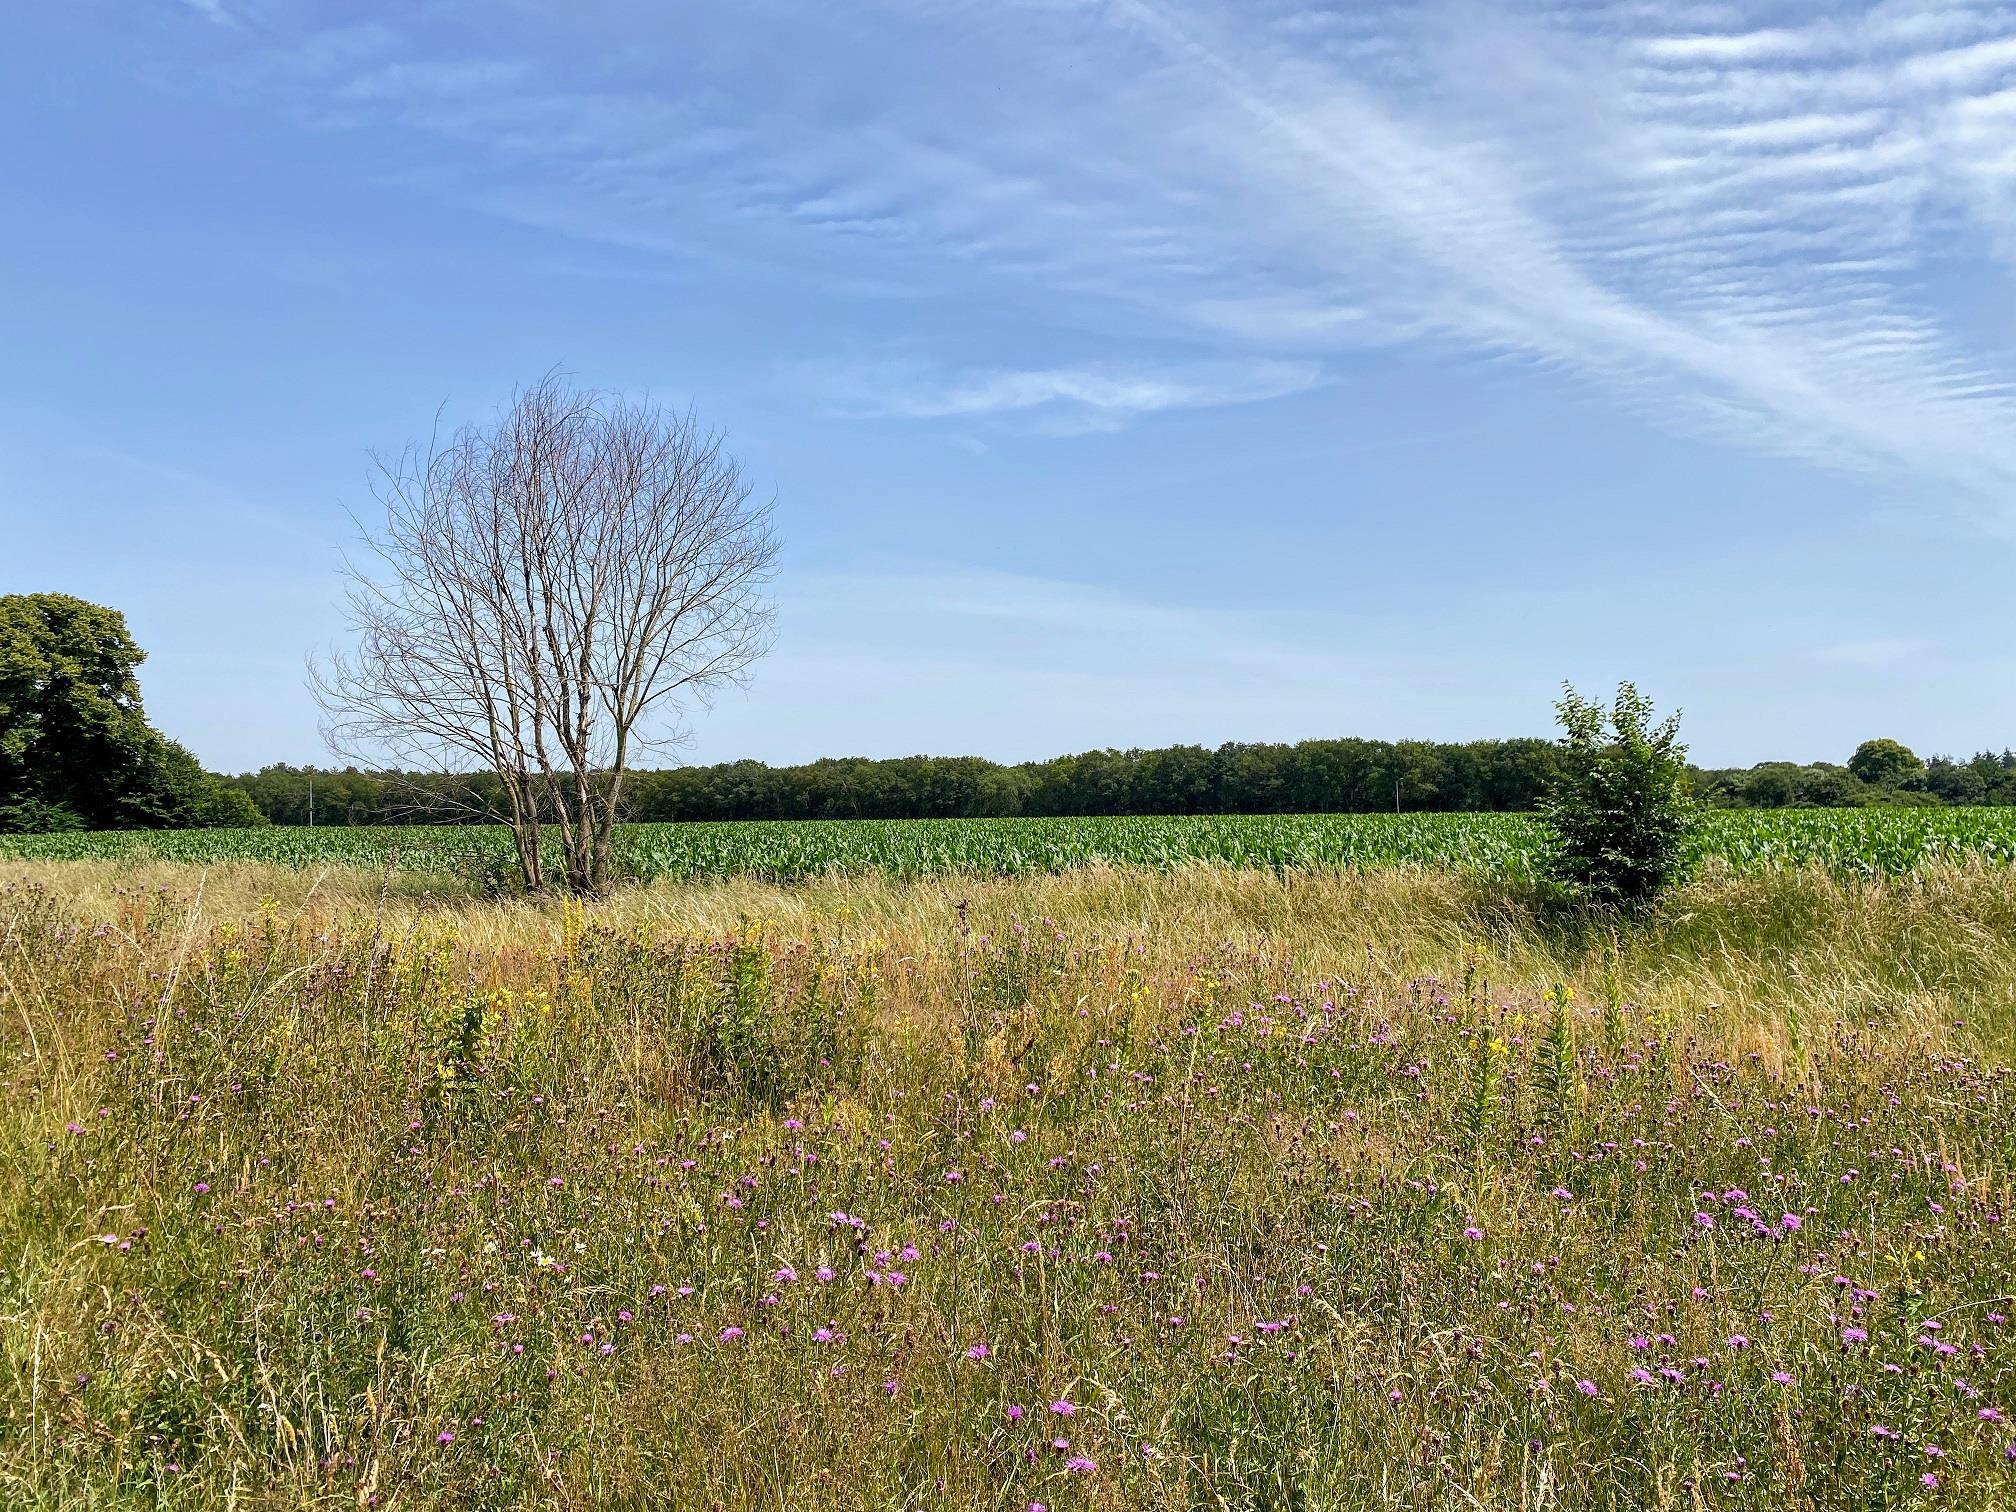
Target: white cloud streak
{"points": [[1094, 396], [1736, 219]]}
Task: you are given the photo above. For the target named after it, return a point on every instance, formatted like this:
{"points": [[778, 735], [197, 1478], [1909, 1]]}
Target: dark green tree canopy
{"points": [[76, 750], [1885, 763]]}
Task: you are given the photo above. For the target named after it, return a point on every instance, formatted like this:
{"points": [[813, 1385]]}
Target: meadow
{"points": [[1158, 1187], [1872, 841]]}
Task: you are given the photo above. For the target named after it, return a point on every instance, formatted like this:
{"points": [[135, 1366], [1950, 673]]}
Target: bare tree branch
{"points": [[548, 596]]}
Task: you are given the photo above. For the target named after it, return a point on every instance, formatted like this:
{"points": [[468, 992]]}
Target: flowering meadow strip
{"points": [[328, 1211]]}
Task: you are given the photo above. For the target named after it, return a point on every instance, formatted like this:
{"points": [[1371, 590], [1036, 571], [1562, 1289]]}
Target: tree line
{"points": [[1348, 776], [1311, 776], [77, 751]]}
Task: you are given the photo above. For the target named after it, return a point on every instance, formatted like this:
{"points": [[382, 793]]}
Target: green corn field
{"points": [[1887, 842]]}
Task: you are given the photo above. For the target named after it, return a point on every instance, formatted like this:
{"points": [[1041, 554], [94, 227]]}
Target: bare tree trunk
{"points": [[549, 595]]}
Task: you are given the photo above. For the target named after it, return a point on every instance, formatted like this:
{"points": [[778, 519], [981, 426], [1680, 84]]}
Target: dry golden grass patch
{"points": [[323, 1188]]}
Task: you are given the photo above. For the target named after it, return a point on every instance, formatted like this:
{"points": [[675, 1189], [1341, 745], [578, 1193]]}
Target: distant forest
{"points": [[1312, 776]]}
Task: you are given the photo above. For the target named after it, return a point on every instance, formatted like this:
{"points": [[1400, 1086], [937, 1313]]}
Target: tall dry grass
{"points": [[1113, 1189], [1934, 948]]}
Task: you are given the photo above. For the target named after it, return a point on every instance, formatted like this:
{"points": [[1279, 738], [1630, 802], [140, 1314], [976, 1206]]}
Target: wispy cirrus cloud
{"points": [[1737, 219], [1097, 396], [1707, 260]]}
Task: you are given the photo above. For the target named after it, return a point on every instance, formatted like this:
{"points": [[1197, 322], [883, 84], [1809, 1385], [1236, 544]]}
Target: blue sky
{"points": [[1126, 371]]}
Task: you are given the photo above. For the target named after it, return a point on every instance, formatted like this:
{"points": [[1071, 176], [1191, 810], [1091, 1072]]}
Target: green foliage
{"points": [[35, 816], [73, 736], [1610, 980], [1986, 778], [1509, 847], [1557, 1074], [76, 751], [1488, 1053], [1618, 814], [1885, 763], [1314, 776], [197, 799], [1783, 784], [219, 805]]}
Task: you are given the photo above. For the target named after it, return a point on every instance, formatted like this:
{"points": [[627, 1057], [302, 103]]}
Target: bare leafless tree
{"points": [[549, 596]]}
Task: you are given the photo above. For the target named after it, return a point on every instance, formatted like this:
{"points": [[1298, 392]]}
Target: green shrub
{"points": [[1618, 814], [33, 816], [219, 805]]}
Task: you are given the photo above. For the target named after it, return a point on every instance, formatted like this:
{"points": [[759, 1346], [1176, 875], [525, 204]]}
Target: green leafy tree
{"points": [[76, 751], [1618, 809], [1886, 764], [74, 740]]}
